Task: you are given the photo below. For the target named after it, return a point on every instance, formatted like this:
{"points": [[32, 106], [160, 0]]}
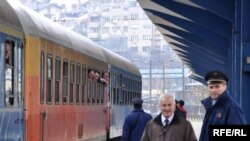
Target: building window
{"points": [[134, 16], [134, 49], [146, 48], [134, 28], [125, 29], [146, 37], [147, 26], [105, 29], [94, 29], [134, 38], [95, 19]]}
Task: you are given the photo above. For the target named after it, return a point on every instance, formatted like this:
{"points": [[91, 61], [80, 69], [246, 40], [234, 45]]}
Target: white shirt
{"points": [[213, 102], [163, 118]]}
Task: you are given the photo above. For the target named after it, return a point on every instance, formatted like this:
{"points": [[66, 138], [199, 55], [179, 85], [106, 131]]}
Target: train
{"points": [[57, 85]]}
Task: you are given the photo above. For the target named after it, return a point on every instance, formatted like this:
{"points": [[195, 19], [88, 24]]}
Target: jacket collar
{"points": [[138, 110], [157, 120]]}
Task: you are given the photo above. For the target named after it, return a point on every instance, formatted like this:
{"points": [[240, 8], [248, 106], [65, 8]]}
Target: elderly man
{"points": [[221, 109], [167, 126]]}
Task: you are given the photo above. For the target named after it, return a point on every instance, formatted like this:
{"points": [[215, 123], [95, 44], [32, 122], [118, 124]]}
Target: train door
{"points": [[11, 89]]}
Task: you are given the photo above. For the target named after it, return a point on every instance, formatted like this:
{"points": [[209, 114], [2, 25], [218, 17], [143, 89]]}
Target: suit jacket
{"points": [[179, 129]]}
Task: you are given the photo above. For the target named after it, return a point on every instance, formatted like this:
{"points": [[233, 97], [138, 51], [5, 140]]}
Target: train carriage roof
{"points": [[32, 23], [9, 17]]}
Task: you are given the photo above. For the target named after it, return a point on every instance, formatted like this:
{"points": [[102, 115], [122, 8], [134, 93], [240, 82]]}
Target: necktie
{"points": [[166, 122], [165, 126]]}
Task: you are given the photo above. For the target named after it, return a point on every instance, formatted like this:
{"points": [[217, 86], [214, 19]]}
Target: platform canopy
{"points": [[208, 35], [199, 31]]}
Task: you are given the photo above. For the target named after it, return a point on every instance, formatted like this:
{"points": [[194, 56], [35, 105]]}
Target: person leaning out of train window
{"points": [[99, 79], [106, 77], [135, 122], [91, 74], [7, 52], [167, 126], [221, 109], [96, 76], [103, 80]]}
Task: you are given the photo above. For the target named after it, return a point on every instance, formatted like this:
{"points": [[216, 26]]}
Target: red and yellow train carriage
{"points": [[45, 91]]}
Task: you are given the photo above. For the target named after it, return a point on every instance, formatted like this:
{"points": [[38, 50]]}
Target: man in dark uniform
{"points": [[221, 109], [135, 122]]}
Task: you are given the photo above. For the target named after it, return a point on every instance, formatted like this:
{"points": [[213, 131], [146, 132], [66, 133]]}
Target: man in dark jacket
{"points": [[135, 122], [167, 126], [221, 109]]}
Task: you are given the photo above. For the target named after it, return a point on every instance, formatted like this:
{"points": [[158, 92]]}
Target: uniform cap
{"points": [[215, 76], [137, 100]]}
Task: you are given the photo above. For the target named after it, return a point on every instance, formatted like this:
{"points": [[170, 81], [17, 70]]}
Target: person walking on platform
{"points": [[221, 109], [135, 122], [180, 110], [167, 126]]}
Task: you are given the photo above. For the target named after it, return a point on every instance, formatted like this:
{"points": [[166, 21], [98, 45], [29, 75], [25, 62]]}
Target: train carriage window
{"points": [[9, 73], [13, 86], [84, 75], [127, 97], [114, 96], [78, 80], [20, 60], [90, 84], [42, 78], [9, 47], [102, 93], [93, 91], [49, 78], [65, 81], [72, 81], [58, 79], [97, 92], [89, 89], [123, 97]]}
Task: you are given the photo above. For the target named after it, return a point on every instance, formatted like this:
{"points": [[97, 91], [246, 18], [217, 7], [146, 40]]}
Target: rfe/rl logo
{"points": [[229, 132]]}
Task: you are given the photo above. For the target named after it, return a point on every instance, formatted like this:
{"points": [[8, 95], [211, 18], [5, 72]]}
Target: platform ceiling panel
{"points": [[199, 31]]}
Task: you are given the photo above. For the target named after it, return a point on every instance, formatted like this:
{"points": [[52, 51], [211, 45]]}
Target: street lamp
{"points": [[182, 77], [150, 80], [150, 66]]}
